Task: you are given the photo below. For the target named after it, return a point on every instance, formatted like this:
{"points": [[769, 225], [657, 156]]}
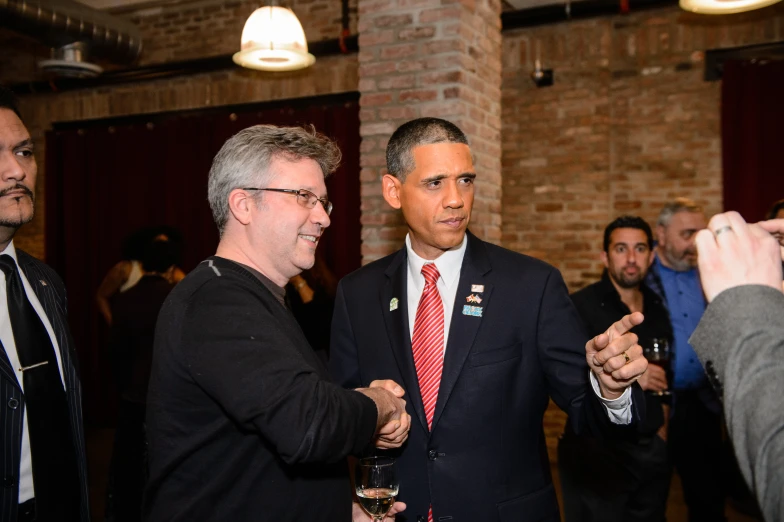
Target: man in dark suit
{"points": [[243, 421], [480, 337], [42, 462]]}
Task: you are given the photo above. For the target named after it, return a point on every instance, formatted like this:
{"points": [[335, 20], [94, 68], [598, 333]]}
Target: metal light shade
{"points": [[273, 40], [724, 6]]}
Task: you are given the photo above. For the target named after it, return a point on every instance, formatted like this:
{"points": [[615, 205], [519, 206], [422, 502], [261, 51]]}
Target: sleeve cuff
{"points": [[619, 410]]}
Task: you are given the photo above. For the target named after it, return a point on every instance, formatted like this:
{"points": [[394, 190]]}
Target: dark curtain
{"points": [[752, 131], [105, 179]]}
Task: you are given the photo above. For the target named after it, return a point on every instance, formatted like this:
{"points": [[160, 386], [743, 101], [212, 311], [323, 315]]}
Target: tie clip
{"points": [[25, 368]]}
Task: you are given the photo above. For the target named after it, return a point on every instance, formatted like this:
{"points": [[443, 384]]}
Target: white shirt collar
{"points": [[10, 251], [448, 263]]}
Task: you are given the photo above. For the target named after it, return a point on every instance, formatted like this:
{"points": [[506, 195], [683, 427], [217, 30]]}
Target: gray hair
{"points": [[245, 159], [675, 206], [422, 131]]}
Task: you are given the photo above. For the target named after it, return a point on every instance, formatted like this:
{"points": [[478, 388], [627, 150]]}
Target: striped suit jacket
{"points": [[50, 290]]}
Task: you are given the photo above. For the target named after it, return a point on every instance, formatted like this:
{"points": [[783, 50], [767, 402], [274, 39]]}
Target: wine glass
{"points": [[657, 351], [376, 485]]}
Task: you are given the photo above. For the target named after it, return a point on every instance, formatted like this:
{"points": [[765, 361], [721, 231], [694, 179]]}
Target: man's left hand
{"points": [[615, 357], [360, 515], [734, 253]]}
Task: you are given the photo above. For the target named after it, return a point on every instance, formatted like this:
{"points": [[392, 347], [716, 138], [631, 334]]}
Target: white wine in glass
{"points": [[376, 485]]}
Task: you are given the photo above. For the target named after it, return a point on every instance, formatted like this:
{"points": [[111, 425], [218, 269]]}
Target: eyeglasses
{"points": [[305, 198]]}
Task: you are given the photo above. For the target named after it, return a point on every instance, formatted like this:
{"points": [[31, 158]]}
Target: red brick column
{"points": [[439, 58]]}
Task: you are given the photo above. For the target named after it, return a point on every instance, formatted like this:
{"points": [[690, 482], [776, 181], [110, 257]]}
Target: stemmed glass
{"points": [[657, 351], [376, 485]]}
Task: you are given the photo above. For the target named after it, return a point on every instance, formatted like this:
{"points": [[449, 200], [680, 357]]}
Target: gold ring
{"points": [[626, 356], [721, 230]]}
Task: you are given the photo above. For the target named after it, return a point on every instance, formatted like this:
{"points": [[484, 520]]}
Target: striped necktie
{"points": [[428, 341]]}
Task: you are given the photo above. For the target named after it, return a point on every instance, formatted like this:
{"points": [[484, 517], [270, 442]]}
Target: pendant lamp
{"points": [[273, 40], [724, 6]]}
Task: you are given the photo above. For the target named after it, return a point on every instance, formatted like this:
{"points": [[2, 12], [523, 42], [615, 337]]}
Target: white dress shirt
{"points": [[26, 491], [448, 264]]}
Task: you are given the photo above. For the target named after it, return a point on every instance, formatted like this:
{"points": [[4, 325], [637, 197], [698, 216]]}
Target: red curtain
{"points": [[752, 131], [105, 179]]}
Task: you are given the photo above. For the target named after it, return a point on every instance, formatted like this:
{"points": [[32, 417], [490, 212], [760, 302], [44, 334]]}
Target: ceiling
{"points": [[508, 5]]}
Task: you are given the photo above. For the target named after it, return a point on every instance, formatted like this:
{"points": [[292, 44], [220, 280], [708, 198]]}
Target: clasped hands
{"points": [[393, 421]]}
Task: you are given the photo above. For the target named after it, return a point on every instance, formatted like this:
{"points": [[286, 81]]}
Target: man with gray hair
{"points": [[243, 421], [694, 434]]}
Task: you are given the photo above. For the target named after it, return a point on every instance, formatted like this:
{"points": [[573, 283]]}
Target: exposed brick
{"points": [[418, 95], [416, 33]]}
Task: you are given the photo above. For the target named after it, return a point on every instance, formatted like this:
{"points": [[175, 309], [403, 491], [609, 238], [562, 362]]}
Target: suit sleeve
{"points": [[561, 340], [343, 360], [741, 338], [241, 355]]}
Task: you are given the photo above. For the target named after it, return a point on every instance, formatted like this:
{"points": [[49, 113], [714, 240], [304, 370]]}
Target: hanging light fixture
{"points": [[273, 40], [724, 6]]}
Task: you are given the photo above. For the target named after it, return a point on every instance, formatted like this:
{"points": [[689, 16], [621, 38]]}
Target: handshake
{"points": [[393, 422]]}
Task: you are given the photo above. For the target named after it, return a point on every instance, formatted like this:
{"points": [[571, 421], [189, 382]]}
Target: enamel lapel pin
{"points": [[477, 288], [473, 311], [393, 304]]}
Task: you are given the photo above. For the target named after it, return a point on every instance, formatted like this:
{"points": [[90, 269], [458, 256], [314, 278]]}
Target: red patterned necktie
{"points": [[428, 345], [428, 341]]}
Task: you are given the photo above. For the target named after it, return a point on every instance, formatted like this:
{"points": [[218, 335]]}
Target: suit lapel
{"points": [[5, 367], [44, 292], [398, 330], [463, 326]]}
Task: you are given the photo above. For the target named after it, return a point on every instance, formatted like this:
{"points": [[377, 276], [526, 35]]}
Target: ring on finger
{"points": [[721, 230], [626, 356]]}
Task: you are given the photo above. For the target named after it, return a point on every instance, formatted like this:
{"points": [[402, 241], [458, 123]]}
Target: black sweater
{"points": [[243, 421]]}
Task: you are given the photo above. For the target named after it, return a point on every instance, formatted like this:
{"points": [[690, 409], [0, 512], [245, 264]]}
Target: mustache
{"points": [[18, 186]]}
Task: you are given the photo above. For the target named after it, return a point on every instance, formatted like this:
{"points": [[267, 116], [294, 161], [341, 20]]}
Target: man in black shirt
{"points": [[633, 486]]}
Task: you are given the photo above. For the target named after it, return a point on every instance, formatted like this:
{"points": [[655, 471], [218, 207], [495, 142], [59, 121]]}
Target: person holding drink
{"points": [[480, 337], [634, 484]]}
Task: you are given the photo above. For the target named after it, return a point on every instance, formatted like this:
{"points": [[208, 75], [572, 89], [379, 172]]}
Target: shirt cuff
{"points": [[619, 410]]}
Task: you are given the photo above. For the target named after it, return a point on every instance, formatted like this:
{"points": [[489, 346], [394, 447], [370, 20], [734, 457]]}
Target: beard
{"points": [[627, 281], [679, 261], [17, 215]]}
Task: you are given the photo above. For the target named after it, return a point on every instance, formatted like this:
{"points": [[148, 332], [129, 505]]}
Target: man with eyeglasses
{"points": [[243, 421]]}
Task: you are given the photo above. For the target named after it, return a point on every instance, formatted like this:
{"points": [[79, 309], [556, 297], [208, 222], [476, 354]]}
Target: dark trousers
{"points": [[129, 457], [614, 481], [695, 438]]}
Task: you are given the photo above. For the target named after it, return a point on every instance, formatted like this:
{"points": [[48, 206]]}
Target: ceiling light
{"points": [[273, 40], [724, 6]]}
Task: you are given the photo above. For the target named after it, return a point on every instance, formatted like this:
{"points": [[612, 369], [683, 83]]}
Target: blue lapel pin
{"points": [[473, 311]]}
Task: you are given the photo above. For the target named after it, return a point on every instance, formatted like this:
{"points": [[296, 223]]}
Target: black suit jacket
{"points": [[486, 458], [242, 420], [49, 289]]}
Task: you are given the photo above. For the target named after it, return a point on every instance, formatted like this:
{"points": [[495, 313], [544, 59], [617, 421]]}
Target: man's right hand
{"points": [[654, 379], [393, 422]]}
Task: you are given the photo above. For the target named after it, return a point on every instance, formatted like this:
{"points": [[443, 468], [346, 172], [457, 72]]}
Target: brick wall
{"points": [[629, 124], [438, 58]]}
